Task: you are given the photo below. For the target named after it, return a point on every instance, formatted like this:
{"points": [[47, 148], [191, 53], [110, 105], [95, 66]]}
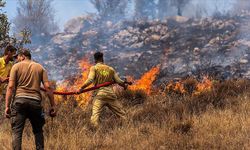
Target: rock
{"points": [[196, 50], [74, 25], [137, 45], [155, 37], [243, 61], [165, 37], [63, 38], [180, 19]]}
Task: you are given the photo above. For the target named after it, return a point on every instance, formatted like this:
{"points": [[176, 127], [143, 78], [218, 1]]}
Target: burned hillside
{"points": [[181, 46]]}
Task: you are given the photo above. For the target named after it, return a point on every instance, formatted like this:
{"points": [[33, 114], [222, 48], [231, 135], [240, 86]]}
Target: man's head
{"points": [[98, 57], [23, 54], [9, 52]]}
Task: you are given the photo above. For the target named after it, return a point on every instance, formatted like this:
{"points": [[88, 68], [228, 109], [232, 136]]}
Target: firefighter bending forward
{"points": [[105, 96]]}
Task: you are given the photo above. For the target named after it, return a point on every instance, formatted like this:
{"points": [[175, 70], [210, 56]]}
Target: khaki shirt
{"points": [[101, 73], [28, 76]]}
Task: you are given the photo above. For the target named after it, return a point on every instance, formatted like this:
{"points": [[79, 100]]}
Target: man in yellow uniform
{"points": [[105, 96], [6, 63]]}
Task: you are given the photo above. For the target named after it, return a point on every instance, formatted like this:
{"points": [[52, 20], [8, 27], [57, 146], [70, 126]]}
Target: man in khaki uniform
{"points": [[26, 78], [105, 96]]}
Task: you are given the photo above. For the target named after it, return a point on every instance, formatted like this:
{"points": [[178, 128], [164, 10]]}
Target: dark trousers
{"points": [[24, 108]]}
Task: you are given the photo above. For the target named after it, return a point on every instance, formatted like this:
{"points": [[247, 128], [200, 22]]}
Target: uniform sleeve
{"points": [[91, 77], [117, 78], [45, 76], [1, 62], [13, 74]]}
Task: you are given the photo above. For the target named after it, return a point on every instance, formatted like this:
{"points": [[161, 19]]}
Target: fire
{"points": [[146, 81], [191, 86], [177, 87], [205, 85], [81, 99]]}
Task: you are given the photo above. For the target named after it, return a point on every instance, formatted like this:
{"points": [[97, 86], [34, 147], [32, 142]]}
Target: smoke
{"points": [[160, 9], [198, 8], [189, 8], [92, 34], [206, 8]]}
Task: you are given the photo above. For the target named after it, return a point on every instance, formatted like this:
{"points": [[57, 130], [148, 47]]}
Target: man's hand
{"points": [[7, 112], [79, 91], [125, 84], [2, 80], [52, 112], [129, 83]]}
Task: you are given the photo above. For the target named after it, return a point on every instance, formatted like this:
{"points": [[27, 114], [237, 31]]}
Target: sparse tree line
{"points": [[148, 9], [35, 19], [115, 10]]}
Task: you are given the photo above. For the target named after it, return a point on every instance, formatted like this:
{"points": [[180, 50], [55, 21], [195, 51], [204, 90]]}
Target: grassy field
{"points": [[214, 119]]}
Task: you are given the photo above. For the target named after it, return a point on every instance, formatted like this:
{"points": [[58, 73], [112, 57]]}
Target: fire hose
{"points": [[85, 90]]}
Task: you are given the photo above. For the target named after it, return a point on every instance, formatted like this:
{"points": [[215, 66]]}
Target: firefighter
{"points": [[105, 96]]}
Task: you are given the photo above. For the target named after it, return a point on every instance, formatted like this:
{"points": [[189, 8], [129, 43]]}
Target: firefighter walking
{"points": [[105, 96]]}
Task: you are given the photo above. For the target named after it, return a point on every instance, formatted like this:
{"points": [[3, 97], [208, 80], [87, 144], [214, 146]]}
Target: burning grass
{"points": [[215, 119], [144, 84], [146, 81]]}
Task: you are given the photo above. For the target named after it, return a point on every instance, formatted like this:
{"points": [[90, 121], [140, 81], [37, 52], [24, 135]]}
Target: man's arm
{"points": [[90, 79], [120, 82], [118, 79], [10, 88], [50, 94], [9, 93], [49, 91]]}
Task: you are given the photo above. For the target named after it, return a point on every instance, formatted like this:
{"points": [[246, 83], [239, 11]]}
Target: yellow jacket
{"points": [[101, 73], [4, 73]]}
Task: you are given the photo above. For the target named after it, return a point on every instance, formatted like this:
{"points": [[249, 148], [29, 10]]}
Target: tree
{"points": [[5, 39], [4, 27], [145, 9], [113, 10], [36, 16], [179, 4]]}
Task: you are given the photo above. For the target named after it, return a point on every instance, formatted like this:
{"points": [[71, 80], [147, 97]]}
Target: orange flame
{"points": [[205, 85], [177, 87], [199, 87], [146, 81], [81, 99]]}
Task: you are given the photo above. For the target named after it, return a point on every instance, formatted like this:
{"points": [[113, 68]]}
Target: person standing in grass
{"points": [[26, 78], [6, 63], [105, 96]]}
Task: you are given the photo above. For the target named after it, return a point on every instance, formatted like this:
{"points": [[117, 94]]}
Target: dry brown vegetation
{"points": [[215, 119]]}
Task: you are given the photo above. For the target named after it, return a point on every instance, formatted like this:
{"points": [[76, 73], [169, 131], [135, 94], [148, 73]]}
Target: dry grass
{"points": [[218, 119]]}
